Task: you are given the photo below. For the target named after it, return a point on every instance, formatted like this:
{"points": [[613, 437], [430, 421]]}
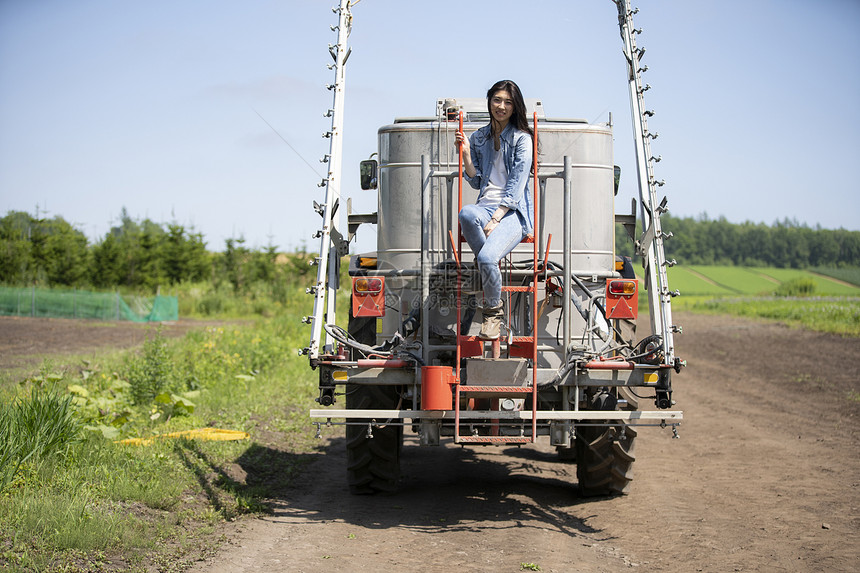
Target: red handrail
{"points": [[458, 254], [536, 196]]}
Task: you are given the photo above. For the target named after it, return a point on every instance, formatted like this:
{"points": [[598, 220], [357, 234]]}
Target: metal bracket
{"points": [[629, 221], [355, 220], [341, 245]]}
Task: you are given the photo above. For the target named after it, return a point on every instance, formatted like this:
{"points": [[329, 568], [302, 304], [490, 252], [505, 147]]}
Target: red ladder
{"points": [[523, 346]]}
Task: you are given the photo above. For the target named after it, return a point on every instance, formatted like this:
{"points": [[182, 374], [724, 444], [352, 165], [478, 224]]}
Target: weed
{"points": [[529, 567], [801, 286], [12, 454], [150, 372], [35, 428], [48, 423]]}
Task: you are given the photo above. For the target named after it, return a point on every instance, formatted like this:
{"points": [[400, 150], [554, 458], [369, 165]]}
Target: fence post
{"points": [[117, 305], [33, 302]]}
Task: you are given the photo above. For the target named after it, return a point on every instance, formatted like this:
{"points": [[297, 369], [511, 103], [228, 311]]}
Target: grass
{"points": [[824, 285], [849, 275], [691, 283], [86, 503], [696, 280], [739, 280], [36, 427], [793, 296], [836, 315]]}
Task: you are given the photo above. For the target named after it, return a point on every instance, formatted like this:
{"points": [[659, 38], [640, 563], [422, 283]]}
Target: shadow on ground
{"points": [[444, 489]]}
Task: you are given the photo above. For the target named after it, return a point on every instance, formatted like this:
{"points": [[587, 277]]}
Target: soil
{"points": [[25, 341], [764, 477]]}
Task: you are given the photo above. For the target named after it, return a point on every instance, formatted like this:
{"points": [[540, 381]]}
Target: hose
{"points": [[342, 336]]}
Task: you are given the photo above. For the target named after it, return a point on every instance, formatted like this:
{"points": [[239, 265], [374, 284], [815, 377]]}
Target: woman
{"points": [[497, 160]]}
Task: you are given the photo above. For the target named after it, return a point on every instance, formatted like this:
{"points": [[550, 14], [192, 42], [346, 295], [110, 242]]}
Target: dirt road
{"points": [[765, 477]]}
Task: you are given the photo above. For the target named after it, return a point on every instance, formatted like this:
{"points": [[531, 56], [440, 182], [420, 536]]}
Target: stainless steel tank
{"points": [[402, 206]]}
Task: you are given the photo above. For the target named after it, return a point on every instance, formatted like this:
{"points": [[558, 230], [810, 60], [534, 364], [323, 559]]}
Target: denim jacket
{"points": [[517, 150]]}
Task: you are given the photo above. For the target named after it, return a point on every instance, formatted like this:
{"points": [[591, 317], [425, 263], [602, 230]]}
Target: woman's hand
{"points": [[488, 228], [495, 220], [462, 141]]}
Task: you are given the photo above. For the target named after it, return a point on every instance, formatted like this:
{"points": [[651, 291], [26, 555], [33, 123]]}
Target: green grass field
{"points": [[690, 283], [849, 275], [832, 306], [701, 280], [824, 285]]}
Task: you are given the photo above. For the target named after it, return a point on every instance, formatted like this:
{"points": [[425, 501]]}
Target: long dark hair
{"points": [[519, 116]]}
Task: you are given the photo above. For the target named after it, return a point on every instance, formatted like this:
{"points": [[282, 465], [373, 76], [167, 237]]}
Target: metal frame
{"points": [[651, 243], [522, 415], [331, 241]]}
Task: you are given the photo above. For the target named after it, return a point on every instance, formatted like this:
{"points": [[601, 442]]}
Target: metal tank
{"points": [[405, 205]]}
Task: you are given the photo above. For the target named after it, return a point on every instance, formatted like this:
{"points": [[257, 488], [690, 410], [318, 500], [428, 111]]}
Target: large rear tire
{"points": [[605, 455], [373, 463]]}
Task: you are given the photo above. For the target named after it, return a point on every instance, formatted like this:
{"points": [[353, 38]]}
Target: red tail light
{"points": [[622, 287], [368, 285]]}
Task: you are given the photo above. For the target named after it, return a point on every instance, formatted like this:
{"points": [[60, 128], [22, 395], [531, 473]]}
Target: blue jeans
{"points": [[492, 248]]}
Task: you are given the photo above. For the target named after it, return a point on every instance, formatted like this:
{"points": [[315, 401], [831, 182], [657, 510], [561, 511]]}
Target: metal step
{"points": [[493, 391], [475, 338], [493, 440], [518, 288]]}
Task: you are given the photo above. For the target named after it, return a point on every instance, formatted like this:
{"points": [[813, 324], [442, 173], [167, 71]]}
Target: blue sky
{"points": [[153, 106]]}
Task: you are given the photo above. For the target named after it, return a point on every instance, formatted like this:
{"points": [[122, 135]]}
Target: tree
{"points": [[65, 253], [176, 256], [16, 258], [235, 263], [152, 239], [106, 268]]}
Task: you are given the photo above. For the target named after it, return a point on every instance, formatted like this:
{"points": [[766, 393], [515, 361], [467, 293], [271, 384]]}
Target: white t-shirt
{"points": [[494, 191]]}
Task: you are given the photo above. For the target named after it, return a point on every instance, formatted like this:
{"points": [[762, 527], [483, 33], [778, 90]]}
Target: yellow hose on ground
{"points": [[199, 434]]}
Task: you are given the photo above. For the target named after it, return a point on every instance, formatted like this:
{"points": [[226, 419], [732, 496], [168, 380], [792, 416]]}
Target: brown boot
{"points": [[491, 327]]}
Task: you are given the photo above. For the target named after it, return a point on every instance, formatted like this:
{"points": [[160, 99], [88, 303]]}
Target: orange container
{"points": [[436, 393]]}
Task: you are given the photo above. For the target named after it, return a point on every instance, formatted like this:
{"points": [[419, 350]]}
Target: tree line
{"points": [[785, 244], [144, 255], [136, 255]]}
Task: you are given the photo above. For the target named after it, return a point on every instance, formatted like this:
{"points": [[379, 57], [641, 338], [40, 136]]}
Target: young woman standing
{"points": [[497, 160]]}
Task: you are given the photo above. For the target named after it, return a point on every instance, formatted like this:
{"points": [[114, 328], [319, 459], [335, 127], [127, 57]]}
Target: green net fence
{"points": [[31, 301]]}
